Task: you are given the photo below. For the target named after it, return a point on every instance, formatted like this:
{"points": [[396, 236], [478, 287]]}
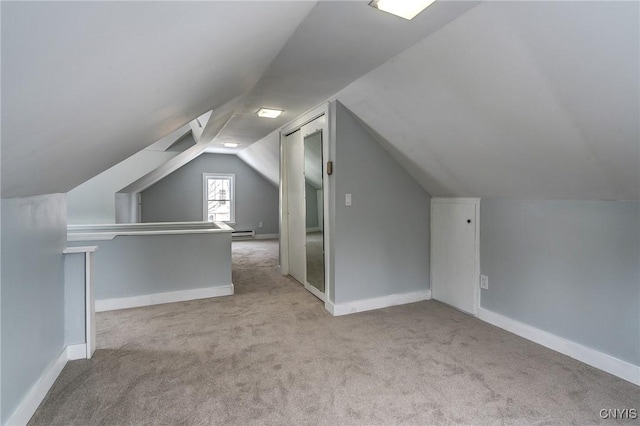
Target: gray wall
{"points": [[33, 238], [381, 242], [74, 298], [178, 197], [567, 267], [139, 265]]}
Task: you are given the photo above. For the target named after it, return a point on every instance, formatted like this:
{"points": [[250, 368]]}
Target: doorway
{"points": [[304, 202], [455, 259]]}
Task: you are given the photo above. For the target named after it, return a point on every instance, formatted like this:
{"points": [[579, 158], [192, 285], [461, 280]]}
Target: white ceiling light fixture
{"points": [[269, 112], [407, 9], [231, 144]]}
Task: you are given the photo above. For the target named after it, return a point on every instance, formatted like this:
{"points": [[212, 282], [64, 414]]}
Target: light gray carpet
{"points": [[271, 354]]}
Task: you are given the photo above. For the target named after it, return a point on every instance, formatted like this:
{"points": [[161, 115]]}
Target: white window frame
{"points": [[232, 194]]}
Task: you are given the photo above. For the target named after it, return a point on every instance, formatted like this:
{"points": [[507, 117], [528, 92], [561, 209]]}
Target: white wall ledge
{"points": [[82, 249], [101, 232]]}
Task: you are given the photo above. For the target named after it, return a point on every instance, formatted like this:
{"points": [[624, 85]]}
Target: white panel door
{"points": [[454, 278], [294, 148]]}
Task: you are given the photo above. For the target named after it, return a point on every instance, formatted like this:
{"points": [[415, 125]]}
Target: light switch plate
{"points": [[347, 199], [484, 282]]}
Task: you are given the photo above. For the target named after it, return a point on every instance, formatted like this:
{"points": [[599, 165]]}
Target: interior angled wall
{"points": [[264, 157], [381, 241]]}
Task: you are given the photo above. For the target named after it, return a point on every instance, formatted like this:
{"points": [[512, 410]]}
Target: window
{"points": [[219, 201]]}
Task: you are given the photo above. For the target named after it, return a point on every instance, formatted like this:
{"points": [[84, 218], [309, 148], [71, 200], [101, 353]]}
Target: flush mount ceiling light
{"points": [[406, 9], [268, 113], [231, 144]]}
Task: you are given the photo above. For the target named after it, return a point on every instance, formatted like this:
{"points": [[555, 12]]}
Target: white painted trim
{"points": [[85, 249], [89, 306], [105, 236], [330, 307], [146, 226], [457, 200], [460, 200], [78, 351], [161, 298], [38, 391], [165, 169], [305, 118], [328, 184], [317, 293], [283, 206], [101, 232], [376, 302], [232, 195], [243, 234], [592, 357], [93, 236], [266, 236]]}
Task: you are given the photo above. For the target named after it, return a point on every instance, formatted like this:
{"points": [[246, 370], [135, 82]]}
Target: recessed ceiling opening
{"points": [[407, 9]]}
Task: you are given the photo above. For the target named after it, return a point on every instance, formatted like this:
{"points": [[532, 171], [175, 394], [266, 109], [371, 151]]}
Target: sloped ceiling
{"points": [[264, 157], [87, 84], [501, 99], [515, 99], [338, 42]]}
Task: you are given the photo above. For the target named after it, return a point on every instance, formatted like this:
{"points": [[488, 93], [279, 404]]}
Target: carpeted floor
{"points": [[271, 354]]}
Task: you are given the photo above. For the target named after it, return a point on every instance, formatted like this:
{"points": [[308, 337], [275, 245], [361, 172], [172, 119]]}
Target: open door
{"points": [[455, 252]]}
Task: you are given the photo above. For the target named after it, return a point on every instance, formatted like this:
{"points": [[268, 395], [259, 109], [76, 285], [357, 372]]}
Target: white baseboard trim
{"points": [[266, 236], [161, 298], [592, 357], [38, 391], [78, 351], [376, 302]]}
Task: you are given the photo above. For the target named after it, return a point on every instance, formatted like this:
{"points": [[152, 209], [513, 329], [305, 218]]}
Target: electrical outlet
{"points": [[260, 224], [484, 282], [347, 199]]}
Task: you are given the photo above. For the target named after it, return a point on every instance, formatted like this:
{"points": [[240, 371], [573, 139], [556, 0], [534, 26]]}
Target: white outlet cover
{"points": [[484, 282], [347, 199]]}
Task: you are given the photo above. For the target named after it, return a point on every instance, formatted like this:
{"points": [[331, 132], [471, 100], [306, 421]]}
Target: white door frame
{"points": [[476, 203], [90, 304], [295, 207], [286, 130]]}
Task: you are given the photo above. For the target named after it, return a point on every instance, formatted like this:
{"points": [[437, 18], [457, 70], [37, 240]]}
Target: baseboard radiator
{"points": [[243, 235]]}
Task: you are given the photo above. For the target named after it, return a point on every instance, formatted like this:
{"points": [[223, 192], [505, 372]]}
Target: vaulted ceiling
{"points": [[87, 84], [524, 99], [500, 99]]}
